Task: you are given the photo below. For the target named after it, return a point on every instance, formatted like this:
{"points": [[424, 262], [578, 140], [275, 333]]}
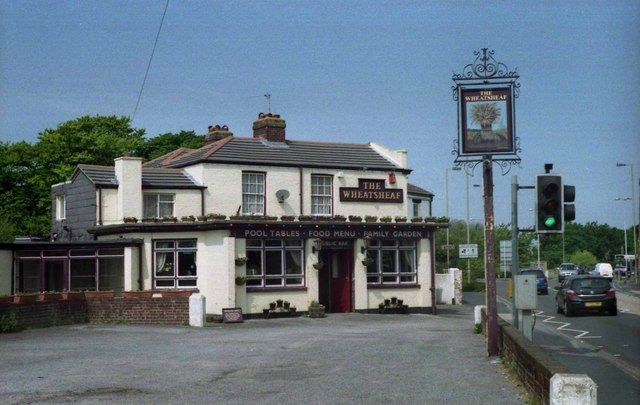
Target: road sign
{"points": [[469, 251]]}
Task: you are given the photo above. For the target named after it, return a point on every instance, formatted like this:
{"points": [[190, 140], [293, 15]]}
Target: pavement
{"points": [[343, 358]]}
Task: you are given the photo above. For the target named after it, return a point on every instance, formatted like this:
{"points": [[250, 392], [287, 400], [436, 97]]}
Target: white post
{"points": [[567, 389], [197, 305]]}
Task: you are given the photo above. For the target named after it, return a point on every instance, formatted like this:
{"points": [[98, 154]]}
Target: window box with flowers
{"points": [[339, 218], [130, 220], [385, 219], [355, 218], [241, 280], [241, 260], [401, 219], [149, 219], [188, 218], [214, 216], [305, 218], [287, 218], [170, 219], [416, 219], [370, 218]]}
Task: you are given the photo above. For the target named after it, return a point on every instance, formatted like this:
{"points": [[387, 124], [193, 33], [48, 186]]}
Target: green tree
{"points": [[165, 143], [583, 258]]}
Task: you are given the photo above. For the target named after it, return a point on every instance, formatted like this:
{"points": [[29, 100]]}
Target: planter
{"points": [[6, 300], [286, 305], [217, 217], [400, 303], [72, 295], [339, 218], [176, 293], [130, 220], [355, 218], [287, 218], [316, 311], [201, 218], [137, 294], [370, 219], [50, 296], [279, 303], [385, 219], [25, 299], [170, 220], [272, 306], [241, 280], [401, 219], [93, 295], [305, 218], [416, 219], [188, 218], [148, 220], [387, 302], [241, 261]]}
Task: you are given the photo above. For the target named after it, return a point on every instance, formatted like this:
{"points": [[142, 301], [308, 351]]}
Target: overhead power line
{"points": [[166, 6]]}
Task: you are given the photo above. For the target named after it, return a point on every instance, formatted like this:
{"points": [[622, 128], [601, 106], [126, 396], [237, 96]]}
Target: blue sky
{"points": [[346, 71]]}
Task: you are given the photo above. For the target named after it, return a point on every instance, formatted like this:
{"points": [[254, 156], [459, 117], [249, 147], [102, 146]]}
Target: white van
{"points": [[604, 269]]}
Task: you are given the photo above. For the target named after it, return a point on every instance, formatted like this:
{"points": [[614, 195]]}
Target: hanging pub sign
{"points": [[486, 116], [371, 190]]}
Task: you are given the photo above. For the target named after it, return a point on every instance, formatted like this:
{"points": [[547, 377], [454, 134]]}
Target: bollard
{"points": [[477, 313], [197, 310], [566, 389]]}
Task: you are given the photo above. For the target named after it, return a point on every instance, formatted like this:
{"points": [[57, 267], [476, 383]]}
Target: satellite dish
{"points": [[282, 195]]}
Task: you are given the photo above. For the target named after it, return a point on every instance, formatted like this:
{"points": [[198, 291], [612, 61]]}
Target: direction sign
{"points": [[468, 251]]}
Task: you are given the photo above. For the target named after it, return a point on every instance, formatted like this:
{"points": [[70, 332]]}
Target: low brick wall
{"points": [[160, 310], [48, 313], [533, 366], [140, 310]]}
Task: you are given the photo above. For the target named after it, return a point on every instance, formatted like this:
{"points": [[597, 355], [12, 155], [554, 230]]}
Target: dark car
{"points": [[586, 293], [567, 270], [541, 279]]}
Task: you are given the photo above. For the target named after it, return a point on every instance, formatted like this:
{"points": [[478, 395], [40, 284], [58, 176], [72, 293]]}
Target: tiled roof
{"points": [[256, 151], [151, 177], [413, 189]]}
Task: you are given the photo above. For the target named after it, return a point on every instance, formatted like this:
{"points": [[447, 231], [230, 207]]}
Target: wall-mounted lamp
{"points": [[317, 245], [54, 236], [366, 244], [340, 174], [392, 178]]}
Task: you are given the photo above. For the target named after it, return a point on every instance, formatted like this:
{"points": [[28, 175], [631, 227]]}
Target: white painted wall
{"points": [[128, 172]]}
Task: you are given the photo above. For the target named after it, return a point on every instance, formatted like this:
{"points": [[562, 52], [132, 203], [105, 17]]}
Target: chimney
{"points": [[216, 133], [269, 127], [128, 172]]}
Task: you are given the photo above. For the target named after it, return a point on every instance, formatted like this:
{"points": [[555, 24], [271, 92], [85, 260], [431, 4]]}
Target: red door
{"points": [[339, 270]]}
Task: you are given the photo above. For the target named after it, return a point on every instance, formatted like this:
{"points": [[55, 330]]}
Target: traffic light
{"points": [[569, 210], [549, 203]]}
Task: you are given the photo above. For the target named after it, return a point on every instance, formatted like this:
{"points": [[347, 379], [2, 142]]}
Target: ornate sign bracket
{"points": [[485, 92]]}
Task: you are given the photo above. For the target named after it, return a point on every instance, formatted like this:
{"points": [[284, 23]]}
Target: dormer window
{"points": [[61, 207], [158, 205]]}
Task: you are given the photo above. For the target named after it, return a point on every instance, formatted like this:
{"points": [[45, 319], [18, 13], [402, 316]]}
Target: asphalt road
{"points": [[607, 348], [340, 359]]}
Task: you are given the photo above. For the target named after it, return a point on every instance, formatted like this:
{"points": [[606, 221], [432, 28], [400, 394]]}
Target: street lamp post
{"points": [[624, 222], [633, 216]]}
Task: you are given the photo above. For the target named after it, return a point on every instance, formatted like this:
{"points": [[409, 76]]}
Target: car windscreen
{"points": [[590, 284]]}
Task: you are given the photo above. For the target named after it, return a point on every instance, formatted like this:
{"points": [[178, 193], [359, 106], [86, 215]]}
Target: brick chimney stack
{"points": [[270, 127], [216, 133]]}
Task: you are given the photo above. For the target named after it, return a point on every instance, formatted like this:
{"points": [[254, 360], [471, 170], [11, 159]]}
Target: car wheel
{"points": [[567, 310], [613, 312], [558, 309]]}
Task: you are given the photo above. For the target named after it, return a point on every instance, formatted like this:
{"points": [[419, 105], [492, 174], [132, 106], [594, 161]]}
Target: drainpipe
{"points": [[202, 202], [433, 274], [140, 267], [301, 202], [99, 205]]}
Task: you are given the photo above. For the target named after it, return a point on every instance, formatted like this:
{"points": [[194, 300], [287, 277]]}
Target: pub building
{"points": [[243, 221]]}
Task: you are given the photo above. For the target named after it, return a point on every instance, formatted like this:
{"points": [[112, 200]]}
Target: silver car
{"points": [[567, 270]]}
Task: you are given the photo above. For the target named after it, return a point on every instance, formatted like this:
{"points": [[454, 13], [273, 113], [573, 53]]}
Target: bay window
{"points": [[175, 264], [275, 263]]}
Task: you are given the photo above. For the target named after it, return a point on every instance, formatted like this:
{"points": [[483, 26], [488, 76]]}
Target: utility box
{"points": [[525, 292]]}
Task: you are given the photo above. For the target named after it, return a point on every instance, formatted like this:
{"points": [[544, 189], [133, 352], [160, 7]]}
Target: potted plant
{"points": [[355, 218], [241, 280], [287, 218], [401, 219], [272, 306], [49, 296], [387, 302], [286, 305], [416, 219], [25, 298], [431, 220], [241, 260], [214, 216], [201, 218], [137, 294], [370, 218], [130, 220], [385, 219], [339, 218], [394, 300], [148, 219], [442, 220], [238, 217], [400, 302], [305, 218], [188, 218], [367, 261], [279, 303], [316, 310], [318, 265], [169, 219]]}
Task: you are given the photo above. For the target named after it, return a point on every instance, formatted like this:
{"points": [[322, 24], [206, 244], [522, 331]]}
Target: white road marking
{"points": [[564, 326]]}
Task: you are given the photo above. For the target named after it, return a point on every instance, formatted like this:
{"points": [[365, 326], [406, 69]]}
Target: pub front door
{"points": [[336, 280]]}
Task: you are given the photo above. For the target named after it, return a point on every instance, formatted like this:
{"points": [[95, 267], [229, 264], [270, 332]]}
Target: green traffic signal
{"points": [[550, 222]]}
